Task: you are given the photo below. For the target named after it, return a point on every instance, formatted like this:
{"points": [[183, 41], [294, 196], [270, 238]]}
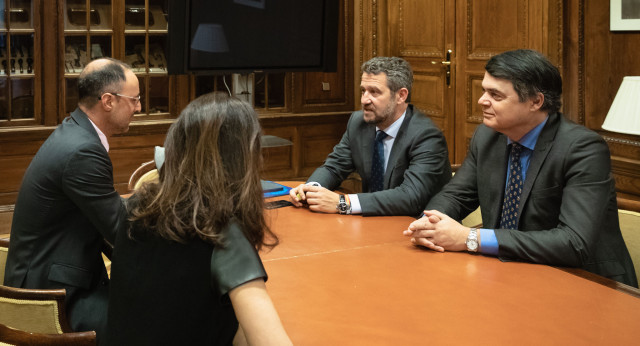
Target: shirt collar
{"points": [[531, 138], [103, 138], [392, 130]]}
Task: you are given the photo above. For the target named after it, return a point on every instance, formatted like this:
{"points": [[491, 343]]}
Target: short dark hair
{"points": [[95, 82], [398, 71], [530, 72]]}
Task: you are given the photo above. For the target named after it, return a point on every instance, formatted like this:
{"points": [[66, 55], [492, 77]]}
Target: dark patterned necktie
{"points": [[377, 165], [509, 219]]}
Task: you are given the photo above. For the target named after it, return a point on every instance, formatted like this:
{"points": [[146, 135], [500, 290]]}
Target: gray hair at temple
{"points": [[398, 71]]}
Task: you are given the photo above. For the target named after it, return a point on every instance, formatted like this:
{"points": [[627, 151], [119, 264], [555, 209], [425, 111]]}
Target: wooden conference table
{"points": [[353, 280]]}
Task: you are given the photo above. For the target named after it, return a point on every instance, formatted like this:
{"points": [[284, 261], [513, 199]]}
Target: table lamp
{"points": [[624, 114]]}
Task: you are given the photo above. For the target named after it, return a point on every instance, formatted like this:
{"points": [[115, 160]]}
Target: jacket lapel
{"points": [[366, 147], [496, 182], [398, 146], [542, 149]]}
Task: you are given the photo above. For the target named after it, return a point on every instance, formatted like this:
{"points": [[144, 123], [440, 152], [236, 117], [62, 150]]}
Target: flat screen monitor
{"points": [[241, 36]]}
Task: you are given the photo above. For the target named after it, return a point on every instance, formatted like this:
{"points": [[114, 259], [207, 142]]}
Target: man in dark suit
{"points": [[67, 203], [398, 152], [543, 183]]}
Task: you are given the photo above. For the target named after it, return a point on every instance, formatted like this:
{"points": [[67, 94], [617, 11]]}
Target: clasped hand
{"points": [[317, 198], [438, 232]]}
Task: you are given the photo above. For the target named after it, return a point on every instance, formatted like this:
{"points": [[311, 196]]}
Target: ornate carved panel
{"points": [[474, 91], [428, 94], [495, 26], [421, 28]]}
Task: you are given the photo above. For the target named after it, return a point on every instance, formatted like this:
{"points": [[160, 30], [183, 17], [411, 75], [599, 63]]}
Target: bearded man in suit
{"points": [[67, 205], [543, 183], [397, 150]]}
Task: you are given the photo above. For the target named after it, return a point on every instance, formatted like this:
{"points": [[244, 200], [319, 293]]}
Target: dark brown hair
{"points": [[530, 72], [210, 175]]}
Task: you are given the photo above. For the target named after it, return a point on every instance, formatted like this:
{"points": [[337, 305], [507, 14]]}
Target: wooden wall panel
{"points": [[509, 29], [11, 173], [317, 141], [426, 39], [428, 93], [595, 62], [317, 91], [421, 32]]}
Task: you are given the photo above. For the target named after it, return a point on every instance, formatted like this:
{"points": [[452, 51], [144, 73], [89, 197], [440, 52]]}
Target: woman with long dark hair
{"points": [[187, 271]]}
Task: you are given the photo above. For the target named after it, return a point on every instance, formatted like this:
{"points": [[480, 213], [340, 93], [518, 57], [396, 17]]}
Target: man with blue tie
{"points": [[543, 183], [398, 151]]}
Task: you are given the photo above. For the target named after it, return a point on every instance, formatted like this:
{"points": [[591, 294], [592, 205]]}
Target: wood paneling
{"points": [[318, 91], [595, 62], [313, 137], [422, 32], [485, 38], [518, 24]]}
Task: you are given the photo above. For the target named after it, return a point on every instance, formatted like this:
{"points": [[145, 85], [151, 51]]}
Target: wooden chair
{"points": [[34, 310], [146, 172], [12, 336], [629, 217], [4, 251]]}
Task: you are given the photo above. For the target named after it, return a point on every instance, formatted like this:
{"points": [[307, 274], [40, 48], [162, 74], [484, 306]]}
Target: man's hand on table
{"points": [[316, 198], [438, 232]]}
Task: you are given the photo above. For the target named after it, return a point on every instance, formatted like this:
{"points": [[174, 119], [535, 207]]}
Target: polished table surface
{"points": [[353, 280]]}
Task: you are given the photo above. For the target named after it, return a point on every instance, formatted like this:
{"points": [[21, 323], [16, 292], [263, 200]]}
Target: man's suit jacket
{"points": [[417, 168], [65, 208], [568, 212]]}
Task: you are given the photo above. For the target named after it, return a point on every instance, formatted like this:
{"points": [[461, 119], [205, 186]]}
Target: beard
{"points": [[375, 117]]}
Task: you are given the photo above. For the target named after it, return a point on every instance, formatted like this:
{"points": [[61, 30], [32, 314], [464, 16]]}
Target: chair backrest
{"points": [[151, 176], [475, 218], [139, 172], [12, 336], [4, 251], [34, 310], [629, 217]]}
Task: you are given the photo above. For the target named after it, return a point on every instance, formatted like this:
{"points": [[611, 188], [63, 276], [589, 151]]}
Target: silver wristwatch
{"points": [[343, 207], [472, 240]]}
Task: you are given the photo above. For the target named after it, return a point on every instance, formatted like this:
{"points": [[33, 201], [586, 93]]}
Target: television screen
{"points": [[224, 36]]}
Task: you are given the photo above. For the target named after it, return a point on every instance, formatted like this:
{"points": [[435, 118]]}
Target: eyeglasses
{"points": [[135, 98]]}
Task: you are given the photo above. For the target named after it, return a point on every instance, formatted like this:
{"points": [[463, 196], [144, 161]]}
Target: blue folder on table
{"points": [[271, 189]]}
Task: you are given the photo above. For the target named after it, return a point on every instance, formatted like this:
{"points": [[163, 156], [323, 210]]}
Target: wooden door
{"points": [[490, 27], [423, 31]]}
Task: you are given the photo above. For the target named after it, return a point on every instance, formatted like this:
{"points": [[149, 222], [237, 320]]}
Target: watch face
{"points": [[472, 245], [342, 207]]}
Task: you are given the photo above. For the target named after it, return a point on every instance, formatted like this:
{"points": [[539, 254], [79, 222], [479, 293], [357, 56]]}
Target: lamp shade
{"points": [[624, 114], [210, 38]]}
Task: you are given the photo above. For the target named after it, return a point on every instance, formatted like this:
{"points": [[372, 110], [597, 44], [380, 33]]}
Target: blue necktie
{"points": [[377, 165], [509, 219]]}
